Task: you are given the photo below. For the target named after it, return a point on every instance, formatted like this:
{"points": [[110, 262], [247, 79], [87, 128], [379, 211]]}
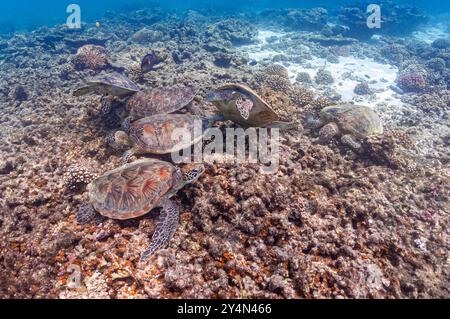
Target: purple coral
{"points": [[412, 82]]}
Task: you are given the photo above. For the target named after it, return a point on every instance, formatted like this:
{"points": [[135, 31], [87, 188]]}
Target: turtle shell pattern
{"points": [[259, 114], [160, 101], [358, 120], [155, 134], [131, 190]]}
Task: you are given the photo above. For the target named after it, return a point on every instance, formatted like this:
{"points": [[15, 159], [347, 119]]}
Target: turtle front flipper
{"points": [[327, 132], [85, 214], [165, 229], [313, 123], [106, 104], [351, 142], [127, 155], [83, 90], [284, 126]]}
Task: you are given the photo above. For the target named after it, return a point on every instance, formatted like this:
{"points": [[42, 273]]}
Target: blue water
{"points": [[29, 14]]}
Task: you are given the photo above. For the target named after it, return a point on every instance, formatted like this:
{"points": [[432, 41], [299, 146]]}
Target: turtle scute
{"points": [[131, 190], [160, 101], [359, 120]]}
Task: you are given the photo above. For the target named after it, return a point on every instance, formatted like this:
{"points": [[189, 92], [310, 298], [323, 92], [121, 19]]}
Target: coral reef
{"points": [[362, 88], [277, 70], [90, 57], [412, 82], [146, 36], [279, 102], [304, 78], [329, 223], [324, 77], [235, 31], [76, 177]]}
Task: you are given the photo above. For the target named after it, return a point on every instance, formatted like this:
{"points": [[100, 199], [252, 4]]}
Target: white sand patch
{"points": [[347, 74], [259, 52]]}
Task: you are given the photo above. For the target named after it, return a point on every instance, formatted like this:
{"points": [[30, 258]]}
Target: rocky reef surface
{"points": [[329, 224]]}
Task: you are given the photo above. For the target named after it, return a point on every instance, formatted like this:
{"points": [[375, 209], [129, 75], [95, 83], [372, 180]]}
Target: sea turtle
{"points": [[135, 189], [158, 101], [108, 85], [157, 134], [240, 104], [352, 122]]}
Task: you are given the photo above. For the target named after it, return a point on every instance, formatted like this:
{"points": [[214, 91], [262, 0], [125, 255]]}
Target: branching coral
{"points": [[301, 96], [324, 77], [278, 70], [278, 101]]}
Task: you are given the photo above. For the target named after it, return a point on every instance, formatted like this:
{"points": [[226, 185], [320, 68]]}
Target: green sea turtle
{"points": [[135, 189], [157, 134], [352, 122], [108, 85], [243, 106], [158, 101]]}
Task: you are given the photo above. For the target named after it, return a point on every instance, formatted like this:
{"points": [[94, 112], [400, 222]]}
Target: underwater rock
{"points": [[20, 94], [396, 89], [150, 61], [442, 43], [437, 64], [325, 41], [391, 148], [77, 42], [146, 36], [362, 88], [6, 167], [222, 59]]}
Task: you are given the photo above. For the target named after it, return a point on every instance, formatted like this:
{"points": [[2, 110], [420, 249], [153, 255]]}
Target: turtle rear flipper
{"points": [[83, 90], [86, 214], [165, 229]]}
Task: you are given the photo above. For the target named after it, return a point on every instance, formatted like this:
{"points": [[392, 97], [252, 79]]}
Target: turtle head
{"points": [[191, 172], [223, 96], [119, 140], [329, 113]]}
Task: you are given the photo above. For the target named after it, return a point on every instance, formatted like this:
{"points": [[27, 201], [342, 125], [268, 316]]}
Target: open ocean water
{"points": [[336, 183], [28, 14]]}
